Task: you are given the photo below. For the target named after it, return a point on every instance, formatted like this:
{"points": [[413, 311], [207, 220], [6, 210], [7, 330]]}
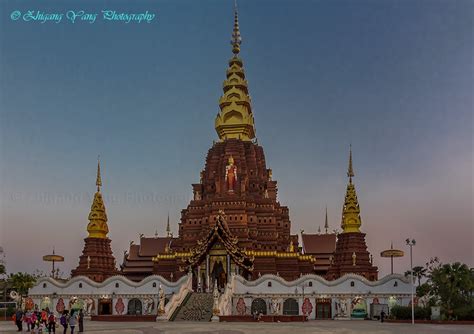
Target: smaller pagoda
{"points": [[97, 261], [351, 255]]}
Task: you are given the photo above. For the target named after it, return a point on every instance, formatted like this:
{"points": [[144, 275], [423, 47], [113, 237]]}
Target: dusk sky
{"points": [[392, 78]]}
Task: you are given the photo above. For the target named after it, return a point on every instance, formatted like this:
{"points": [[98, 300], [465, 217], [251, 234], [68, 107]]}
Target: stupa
{"points": [[97, 261]]}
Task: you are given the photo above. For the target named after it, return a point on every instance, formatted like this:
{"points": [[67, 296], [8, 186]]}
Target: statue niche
{"points": [[231, 175]]}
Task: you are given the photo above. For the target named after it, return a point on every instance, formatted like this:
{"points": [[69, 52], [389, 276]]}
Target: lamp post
{"points": [[412, 243]]}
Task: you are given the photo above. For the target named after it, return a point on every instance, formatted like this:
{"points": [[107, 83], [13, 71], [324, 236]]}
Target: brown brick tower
{"points": [[97, 261], [351, 255], [236, 190]]}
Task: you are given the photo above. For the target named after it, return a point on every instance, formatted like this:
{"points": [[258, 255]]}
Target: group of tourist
{"points": [[45, 321]]}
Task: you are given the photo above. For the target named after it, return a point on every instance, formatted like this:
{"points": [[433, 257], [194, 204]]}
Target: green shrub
{"points": [[404, 312], [465, 312], [10, 310]]}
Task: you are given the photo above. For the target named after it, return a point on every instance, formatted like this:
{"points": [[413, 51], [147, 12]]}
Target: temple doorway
{"points": [[134, 307], [323, 308], [258, 306], [105, 307], [290, 307]]}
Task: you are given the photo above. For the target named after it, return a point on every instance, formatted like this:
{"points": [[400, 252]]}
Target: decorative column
{"points": [[199, 278], [228, 268], [207, 273]]}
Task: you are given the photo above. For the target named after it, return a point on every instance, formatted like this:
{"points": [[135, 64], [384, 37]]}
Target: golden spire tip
{"points": [[98, 181], [236, 39], [326, 225], [350, 170]]}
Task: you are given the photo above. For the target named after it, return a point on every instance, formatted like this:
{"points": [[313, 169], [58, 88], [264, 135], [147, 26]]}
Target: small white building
{"points": [[311, 295], [117, 295], [317, 298]]}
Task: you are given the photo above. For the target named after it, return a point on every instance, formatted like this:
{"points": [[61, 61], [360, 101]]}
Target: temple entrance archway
{"points": [[323, 308], [290, 307], [258, 306], [134, 307], [105, 307]]}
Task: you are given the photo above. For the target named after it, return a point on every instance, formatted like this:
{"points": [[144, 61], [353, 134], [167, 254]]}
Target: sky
{"points": [[392, 78]]}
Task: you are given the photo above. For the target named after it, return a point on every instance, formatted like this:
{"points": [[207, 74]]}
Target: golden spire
{"points": [[98, 181], [97, 226], [326, 225], [351, 221], [236, 39], [350, 171], [235, 119], [168, 229]]}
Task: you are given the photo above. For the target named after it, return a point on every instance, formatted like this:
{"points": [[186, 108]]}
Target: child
{"points": [[27, 319]]}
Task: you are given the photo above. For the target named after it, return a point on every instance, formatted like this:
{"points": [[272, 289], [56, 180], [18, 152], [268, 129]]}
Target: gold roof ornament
{"points": [[97, 227], [326, 224], [235, 119], [168, 229], [351, 221]]}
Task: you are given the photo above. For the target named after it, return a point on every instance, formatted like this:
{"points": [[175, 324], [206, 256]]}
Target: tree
{"points": [[21, 282], [454, 285], [419, 272], [2, 269]]}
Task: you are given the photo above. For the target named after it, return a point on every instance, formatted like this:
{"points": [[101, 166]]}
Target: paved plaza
{"points": [[336, 327]]}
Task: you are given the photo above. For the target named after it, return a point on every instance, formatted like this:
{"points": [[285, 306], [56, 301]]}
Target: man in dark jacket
{"points": [[80, 320], [19, 319]]}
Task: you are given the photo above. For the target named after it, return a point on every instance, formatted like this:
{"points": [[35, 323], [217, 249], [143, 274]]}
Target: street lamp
{"points": [[412, 243]]}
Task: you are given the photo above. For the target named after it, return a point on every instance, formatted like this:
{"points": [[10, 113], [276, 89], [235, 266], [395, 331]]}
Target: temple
{"points": [[237, 190], [237, 186], [321, 246], [234, 255], [97, 261]]}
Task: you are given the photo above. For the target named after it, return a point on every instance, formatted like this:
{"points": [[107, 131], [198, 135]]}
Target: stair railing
{"points": [[178, 298], [225, 300]]}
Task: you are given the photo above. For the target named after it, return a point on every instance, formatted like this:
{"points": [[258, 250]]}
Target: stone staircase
{"points": [[195, 307]]}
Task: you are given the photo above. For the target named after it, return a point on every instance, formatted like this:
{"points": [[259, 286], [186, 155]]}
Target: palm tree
{"points": [[419, 272]]}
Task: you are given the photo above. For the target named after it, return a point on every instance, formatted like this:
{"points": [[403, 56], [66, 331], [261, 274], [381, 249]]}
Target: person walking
{"points": [[72, 321], [63, 321], [51, 322], [382, 316], [81, 321], [19, 320], [44, 317]]}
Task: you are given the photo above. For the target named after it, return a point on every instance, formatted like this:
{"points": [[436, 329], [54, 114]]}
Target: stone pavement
{"points": [[328, 327]]}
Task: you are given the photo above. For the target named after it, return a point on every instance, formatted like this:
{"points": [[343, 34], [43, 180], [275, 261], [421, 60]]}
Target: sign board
{"points": [[435, 312]]}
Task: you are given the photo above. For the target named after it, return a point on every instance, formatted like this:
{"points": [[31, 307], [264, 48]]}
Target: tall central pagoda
{"points": [[234, 224]]}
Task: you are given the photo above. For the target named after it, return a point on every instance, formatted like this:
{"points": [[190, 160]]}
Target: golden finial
{"points": [[350, 171], [98, 181], [326, 225], [236, 39]]}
